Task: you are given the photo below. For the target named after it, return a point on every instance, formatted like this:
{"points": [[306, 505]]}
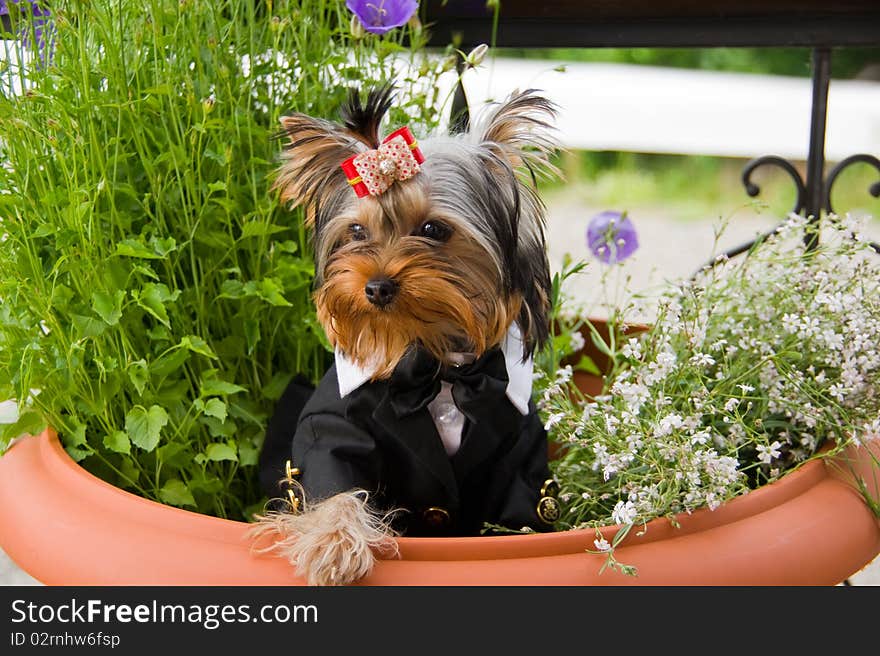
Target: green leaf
{"points": [[232, 289], [215, 156], [216, 186], [61, 297], [213, 386], [44, 230], [88, 326], [79, 454], [196, 344], [76, 436], [145, 270], [134, 248], [153, 297], [169, 362], [108, 307], [260, 229], [269, 290], [217, 428], [176, 493], [600, 343], [30, 422], [252, 334], [139, 374], [586, 364], [159, 90], [118, 442], [208, 484], [216, 408], [174, 456], [248, 456], [276, 386], [158, 334], [217, 452], [106, 364], [250, 411], [144, 426], [130, 473], [162, 247]]}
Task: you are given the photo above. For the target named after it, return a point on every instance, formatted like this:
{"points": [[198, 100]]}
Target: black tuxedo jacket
{"points": [[381, 438]]}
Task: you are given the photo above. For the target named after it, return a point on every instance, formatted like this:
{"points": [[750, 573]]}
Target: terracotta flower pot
{"points": [[64, 526]]}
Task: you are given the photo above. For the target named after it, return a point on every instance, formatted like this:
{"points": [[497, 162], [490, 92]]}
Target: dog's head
{"points": [[448, 258]]}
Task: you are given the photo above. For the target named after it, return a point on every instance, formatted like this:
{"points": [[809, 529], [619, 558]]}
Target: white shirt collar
{"points": [[519, 387]]}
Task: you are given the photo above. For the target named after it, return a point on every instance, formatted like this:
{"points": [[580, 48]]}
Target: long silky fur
{"points": [[520, 130], [363, 120], [491, 272], [332, 542]]}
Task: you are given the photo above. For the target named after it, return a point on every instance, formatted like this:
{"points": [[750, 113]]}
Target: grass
{"points": [[156, 297]]}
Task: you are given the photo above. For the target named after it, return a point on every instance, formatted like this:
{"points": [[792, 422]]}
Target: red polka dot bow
{"points": [[397, 158]]}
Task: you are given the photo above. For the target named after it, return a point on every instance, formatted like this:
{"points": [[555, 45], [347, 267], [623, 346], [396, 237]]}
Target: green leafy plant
{"points": [[156, 299], [749, 369]]}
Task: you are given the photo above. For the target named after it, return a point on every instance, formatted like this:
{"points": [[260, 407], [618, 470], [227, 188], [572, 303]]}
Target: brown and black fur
{"points": [[462, 243]]}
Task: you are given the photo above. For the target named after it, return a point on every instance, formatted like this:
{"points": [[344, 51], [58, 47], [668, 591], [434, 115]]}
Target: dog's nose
{"points": [[380, 291]]}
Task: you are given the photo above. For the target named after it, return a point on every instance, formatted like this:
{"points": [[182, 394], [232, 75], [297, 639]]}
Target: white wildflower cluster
{"points": [[748, 370]]}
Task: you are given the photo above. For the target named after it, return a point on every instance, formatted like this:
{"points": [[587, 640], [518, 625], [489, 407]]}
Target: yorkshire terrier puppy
{"points": [[432, 284]]}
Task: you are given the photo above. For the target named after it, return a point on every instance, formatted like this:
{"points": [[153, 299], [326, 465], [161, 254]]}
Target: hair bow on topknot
{"points": [[397, 158]]}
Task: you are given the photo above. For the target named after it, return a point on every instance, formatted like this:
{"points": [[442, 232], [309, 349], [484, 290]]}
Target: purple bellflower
{"points": [[380, 16], [611, 236]]}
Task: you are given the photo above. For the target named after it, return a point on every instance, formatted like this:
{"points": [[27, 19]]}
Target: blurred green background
{"points": [[698, 186]]}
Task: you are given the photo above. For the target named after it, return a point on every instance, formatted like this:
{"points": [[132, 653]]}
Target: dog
{"points": [[433, 286]]}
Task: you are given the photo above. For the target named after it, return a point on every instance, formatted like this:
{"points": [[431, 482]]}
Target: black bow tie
{"points": [[416, 381]]}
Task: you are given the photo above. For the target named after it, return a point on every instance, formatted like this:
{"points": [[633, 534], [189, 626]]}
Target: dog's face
{"points": [[447, 259]]}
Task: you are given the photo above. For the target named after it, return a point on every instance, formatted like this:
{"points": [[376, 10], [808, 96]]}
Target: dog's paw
{"points": [[333, 542]]}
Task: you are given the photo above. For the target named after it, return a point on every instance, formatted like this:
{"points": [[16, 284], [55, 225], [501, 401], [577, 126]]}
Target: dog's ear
{"points": [[316, 148], [531, 274], [519, 131], [521, 139], [311, 159]]}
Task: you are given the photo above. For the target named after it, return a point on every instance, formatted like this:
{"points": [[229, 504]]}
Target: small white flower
{"points": [[702, 360], [602, 544], [701, 437], [768, 453], [668, 424], [554, 419], [632, 349], [790, 323], [624, 512]]}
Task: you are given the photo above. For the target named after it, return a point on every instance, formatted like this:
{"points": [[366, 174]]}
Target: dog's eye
{"points": [[435, 230], [357, 232]]}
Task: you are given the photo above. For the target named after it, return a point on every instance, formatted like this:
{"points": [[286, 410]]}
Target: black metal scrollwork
{"points": [[753, 190], [814, 193], [874, 189]]}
